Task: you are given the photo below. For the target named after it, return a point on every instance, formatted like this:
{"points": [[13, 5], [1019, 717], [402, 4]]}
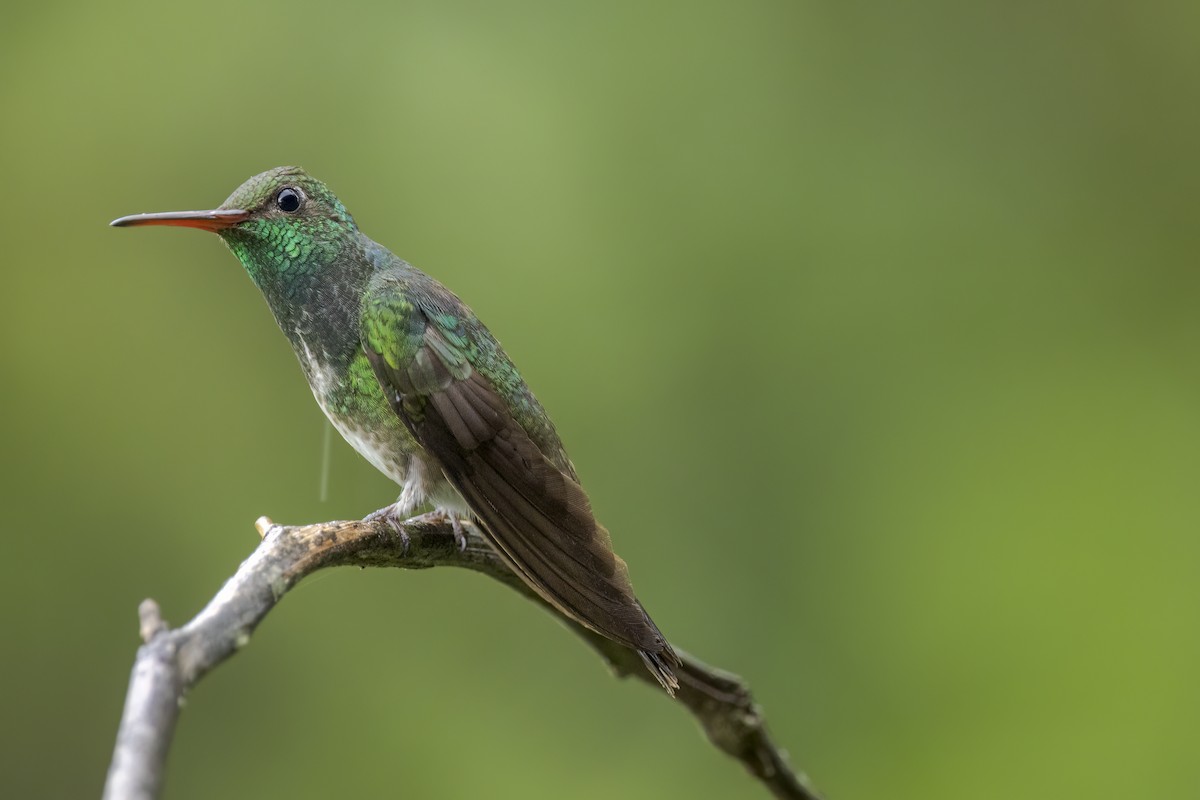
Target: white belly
{"points": [[391, 450]]}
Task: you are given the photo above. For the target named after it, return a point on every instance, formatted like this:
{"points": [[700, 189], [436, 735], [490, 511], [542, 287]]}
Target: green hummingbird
{"points": [[416, 384]]}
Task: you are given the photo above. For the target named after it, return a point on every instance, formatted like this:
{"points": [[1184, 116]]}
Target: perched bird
{"points": [[416, 384]]}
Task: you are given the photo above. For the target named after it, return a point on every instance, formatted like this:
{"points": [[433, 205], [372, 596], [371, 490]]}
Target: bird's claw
{"points": [[460, 535], [390, 515], [405, 541], [441, 516]]}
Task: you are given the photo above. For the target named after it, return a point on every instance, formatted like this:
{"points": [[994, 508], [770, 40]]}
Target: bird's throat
{"points": [[314, 289]]}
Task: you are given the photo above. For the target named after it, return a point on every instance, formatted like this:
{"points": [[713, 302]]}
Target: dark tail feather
{"points": [[661, 666]]}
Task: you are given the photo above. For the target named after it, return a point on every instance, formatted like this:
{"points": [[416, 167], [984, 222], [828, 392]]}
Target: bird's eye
{"points": [[288, 200]]}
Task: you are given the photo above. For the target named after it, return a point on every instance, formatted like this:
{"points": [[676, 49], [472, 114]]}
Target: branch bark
{"points": [[170, 661]]}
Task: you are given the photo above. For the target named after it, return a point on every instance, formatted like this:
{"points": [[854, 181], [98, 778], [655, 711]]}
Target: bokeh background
{"points": [[871, 328]]}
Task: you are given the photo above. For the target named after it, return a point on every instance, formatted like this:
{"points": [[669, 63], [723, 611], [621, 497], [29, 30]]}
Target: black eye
{"points": [[288, 200]]}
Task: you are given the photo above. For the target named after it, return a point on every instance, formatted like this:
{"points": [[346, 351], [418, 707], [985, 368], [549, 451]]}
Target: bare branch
{"points": [[172, 661]]}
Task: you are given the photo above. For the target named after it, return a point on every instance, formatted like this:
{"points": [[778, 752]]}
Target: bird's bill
{"points": [[215, 220]]}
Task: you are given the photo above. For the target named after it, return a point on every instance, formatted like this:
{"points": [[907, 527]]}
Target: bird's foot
{"points": [[393, 516], [440, 516]]}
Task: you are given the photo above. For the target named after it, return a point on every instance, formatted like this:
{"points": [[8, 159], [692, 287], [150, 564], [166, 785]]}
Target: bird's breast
{"points": [[348, 393]]}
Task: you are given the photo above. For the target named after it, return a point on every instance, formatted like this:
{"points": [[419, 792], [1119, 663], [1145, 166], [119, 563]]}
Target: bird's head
{"points": [[282, 223]]}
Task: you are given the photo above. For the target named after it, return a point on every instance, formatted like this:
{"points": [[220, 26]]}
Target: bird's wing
{"points": [[535, 514]]}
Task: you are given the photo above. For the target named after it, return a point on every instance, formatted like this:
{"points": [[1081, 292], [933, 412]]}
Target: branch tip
{"points": [[263, 525], [150, 621]]}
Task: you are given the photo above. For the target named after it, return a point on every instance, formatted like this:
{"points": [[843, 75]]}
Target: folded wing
{"points": [[532, 510]]}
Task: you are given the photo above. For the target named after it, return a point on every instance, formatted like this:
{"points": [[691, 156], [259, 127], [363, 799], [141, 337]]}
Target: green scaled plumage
{"points": [[414, 381]]}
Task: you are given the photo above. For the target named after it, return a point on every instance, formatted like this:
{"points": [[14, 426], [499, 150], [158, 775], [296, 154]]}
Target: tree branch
{"points": [[172, 661]]}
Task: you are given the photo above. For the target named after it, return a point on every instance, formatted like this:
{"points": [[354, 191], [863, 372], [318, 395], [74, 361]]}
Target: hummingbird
{"points": [[414, 382]]}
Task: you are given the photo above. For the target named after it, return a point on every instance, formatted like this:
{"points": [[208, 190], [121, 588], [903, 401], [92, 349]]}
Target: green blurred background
{"points": [[870, 327]]}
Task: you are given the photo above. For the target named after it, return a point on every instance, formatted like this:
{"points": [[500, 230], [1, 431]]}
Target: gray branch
{"points": [[170, 661]]}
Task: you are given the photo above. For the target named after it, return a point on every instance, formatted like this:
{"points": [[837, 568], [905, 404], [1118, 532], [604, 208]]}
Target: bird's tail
{"points": [[662, 666]]}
